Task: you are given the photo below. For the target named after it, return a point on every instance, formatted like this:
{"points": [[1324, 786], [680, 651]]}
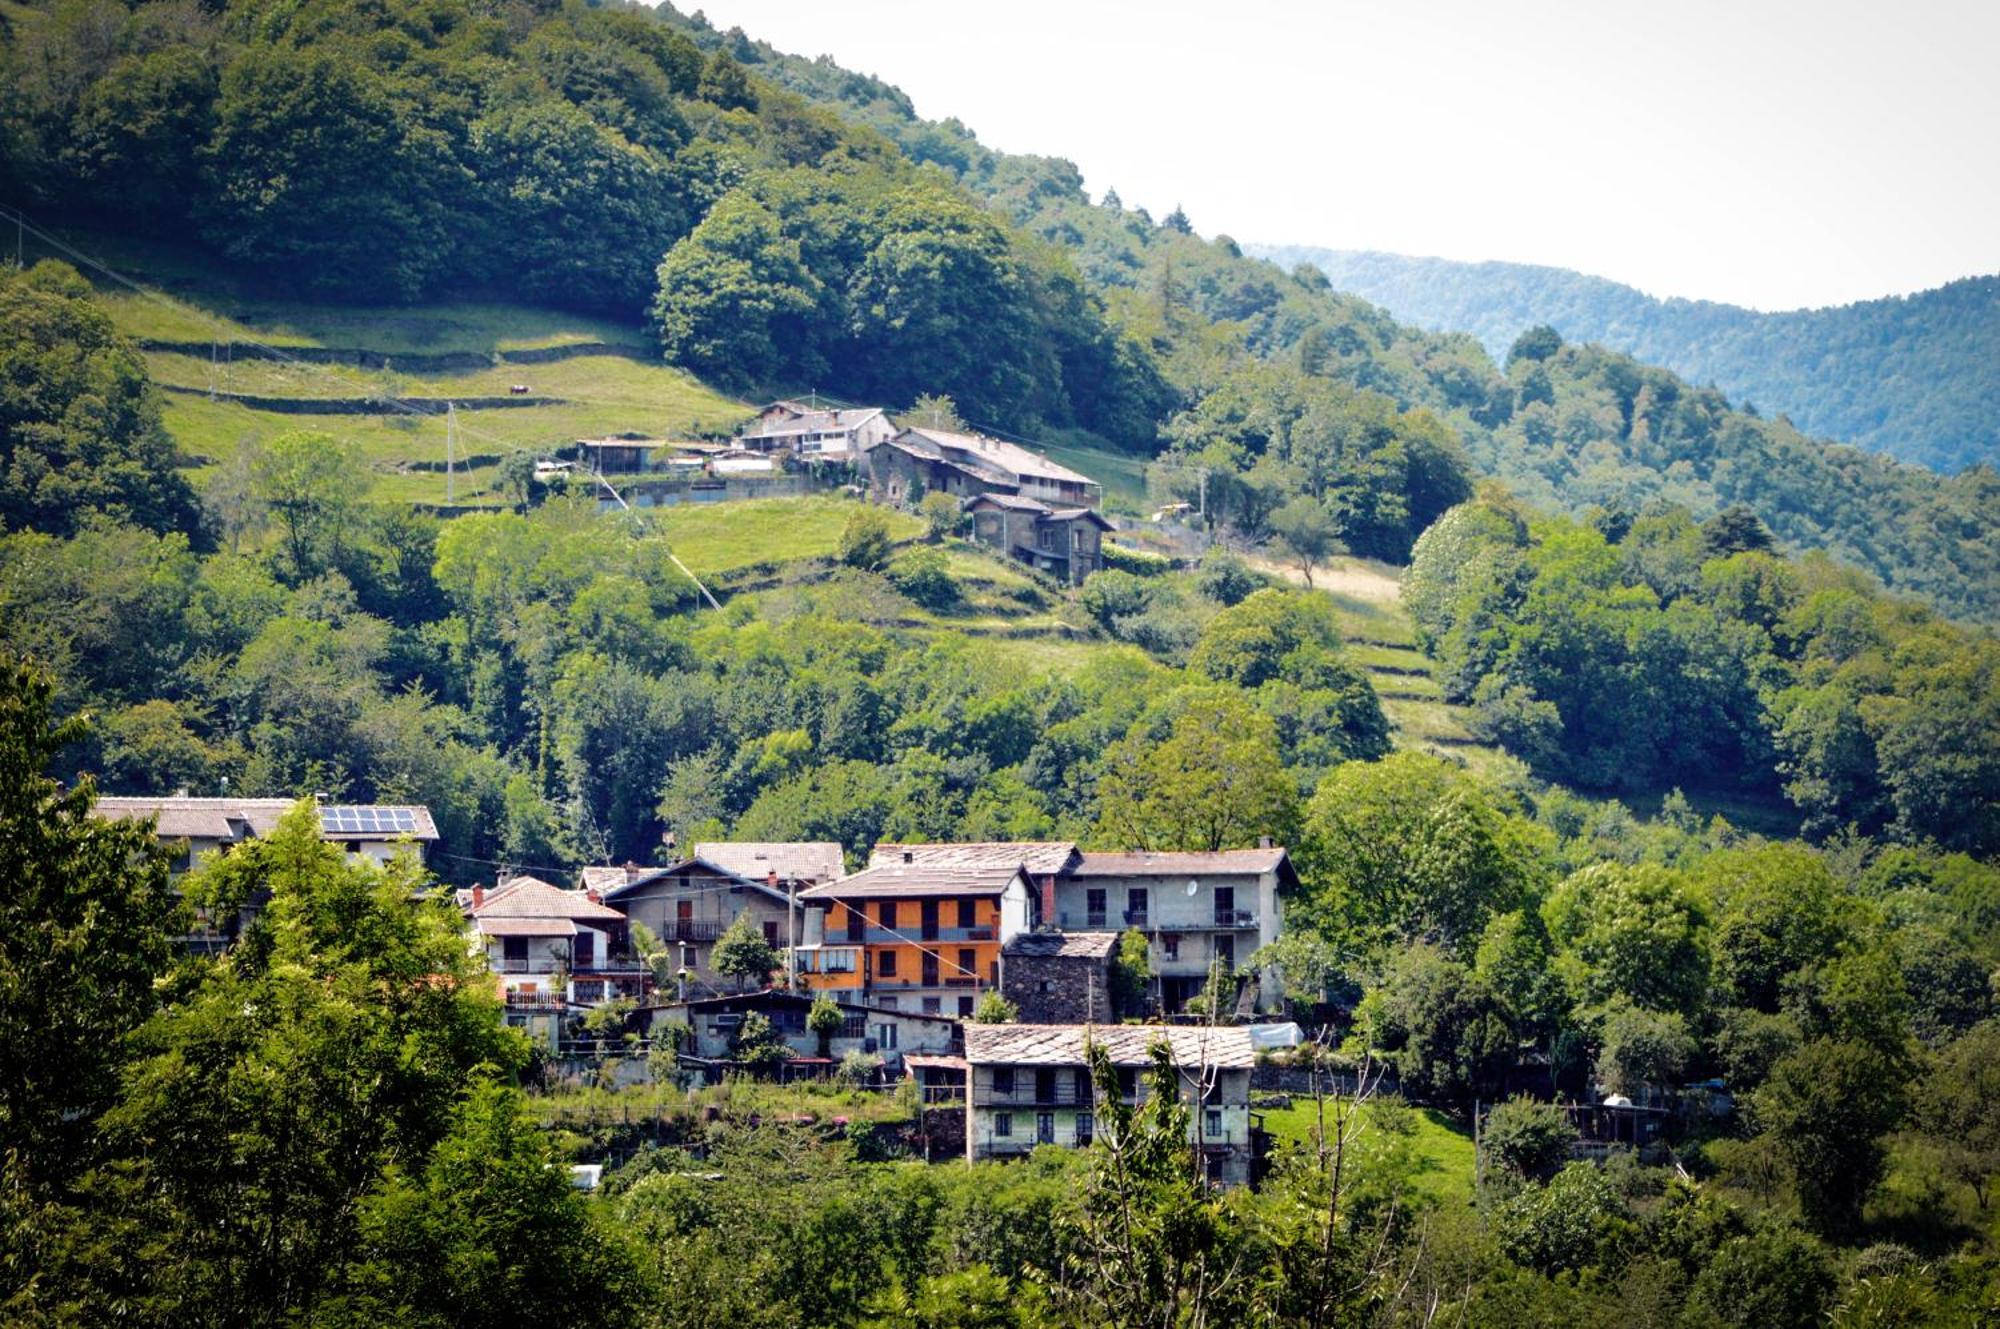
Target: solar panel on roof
{"points": [[367, 820]]}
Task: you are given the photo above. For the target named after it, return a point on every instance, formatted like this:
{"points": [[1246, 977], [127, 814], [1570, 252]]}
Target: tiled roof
{"points": [[799, 860], [530, 897], [1227, 1048], [1040, 857], [524, 927], [909, 880], [611, 878], [1091, 515], [1226, 862], [813, 422], [1089, 945]]}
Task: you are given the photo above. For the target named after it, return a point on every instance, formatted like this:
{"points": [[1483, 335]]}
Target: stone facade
{"points": [[1060, 978]]}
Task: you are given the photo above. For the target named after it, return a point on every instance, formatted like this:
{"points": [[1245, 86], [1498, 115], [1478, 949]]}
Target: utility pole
{"points": [[450, 450], [213, 356]]}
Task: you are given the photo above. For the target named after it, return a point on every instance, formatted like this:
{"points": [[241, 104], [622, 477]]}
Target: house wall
{"points": [[889, 950], [1057, 989], [1189, 919], [1001, 1123], [886, 1034], [713, 904]]}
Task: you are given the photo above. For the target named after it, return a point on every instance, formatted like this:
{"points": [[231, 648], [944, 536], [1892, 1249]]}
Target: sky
{"points": [[1771, 153]]}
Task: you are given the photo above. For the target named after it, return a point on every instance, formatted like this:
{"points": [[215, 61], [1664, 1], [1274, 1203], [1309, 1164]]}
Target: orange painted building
{"points": [[908, 935]]}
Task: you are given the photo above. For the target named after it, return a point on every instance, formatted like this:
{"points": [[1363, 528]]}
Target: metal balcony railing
{"points": [[1136, 918], [690, 929]]}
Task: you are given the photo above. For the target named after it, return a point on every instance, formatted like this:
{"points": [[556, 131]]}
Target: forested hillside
{"points": [[1910, 376], [784, 224], [1282, 380]]}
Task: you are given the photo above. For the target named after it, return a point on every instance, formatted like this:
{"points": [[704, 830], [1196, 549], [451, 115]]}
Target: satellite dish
{"points": [[1193, 885]]}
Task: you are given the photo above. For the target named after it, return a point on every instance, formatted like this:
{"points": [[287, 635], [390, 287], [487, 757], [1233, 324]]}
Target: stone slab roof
{"points": [[1042, 945], [1226, 862], [1041, 857], [1227, 1048], [796, 860], [909, 880]]}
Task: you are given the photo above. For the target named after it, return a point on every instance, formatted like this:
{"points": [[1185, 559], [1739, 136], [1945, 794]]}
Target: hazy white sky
{"points": [[1774, 153]]}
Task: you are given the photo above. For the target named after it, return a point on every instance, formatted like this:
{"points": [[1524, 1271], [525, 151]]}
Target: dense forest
{"points": [[786, 224], [1909, 375]]}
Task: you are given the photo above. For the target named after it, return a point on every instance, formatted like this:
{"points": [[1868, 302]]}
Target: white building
{"points": [[811, 432]]}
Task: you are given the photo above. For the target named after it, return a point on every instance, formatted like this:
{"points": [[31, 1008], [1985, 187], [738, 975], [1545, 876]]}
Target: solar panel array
{"points": [[364, 820]]}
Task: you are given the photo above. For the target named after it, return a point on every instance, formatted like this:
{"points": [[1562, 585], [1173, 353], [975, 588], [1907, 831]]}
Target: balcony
{"points": [[1236, 919], [1026, 1097], [690, 929], [534, 1001], [534, 964], [613, 964], [1136, 918]]}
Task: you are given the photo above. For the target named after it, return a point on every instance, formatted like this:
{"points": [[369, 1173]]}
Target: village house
{"points": [[197, 826], [712, 1024], [1064, 543], [814, 433], [911, 935], [1199, 911], [1059, 977], [552, 951], [968, 465], [688, 905], [1030, 1085]]}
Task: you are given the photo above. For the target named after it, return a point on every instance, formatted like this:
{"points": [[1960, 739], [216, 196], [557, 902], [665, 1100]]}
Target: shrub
{"points": [[995, 1009], [1527, 1139], [1134, 560], [865, 541], [923, 575]]}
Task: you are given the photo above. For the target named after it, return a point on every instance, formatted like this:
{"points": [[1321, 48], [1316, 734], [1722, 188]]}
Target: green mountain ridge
{"points": [[1906, 375]]}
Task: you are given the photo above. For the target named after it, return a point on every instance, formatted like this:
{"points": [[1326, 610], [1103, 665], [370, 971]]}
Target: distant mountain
{"points": [[1913, 376]]}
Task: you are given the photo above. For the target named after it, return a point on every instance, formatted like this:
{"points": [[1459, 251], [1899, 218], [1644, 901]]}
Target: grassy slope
{"points": [[1442, 1151], [187, 298]]}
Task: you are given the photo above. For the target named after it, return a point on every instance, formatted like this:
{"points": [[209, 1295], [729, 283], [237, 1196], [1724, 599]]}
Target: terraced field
{"points": [[239, 367]]}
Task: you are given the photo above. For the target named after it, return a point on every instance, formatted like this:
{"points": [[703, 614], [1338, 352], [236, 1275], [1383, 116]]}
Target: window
{"points": [[1003, 1124], [887, 1003], [968, 913], [1003, 1081], [1086, 1129], [515, 949], [1136, 906], [887, 968], [930, 969], [933, 1006], [585, 953], [965, 1005], [857, 924], [886, 911], [968, 964], [1225, 953], [1212, 1121], [1170, 946], [1093, 908], [885, 1037], [1083, 1086], [1045, 1084], [1045, 1128], [929, 911], [770, 932], [1045, 537], [1225, 905]]}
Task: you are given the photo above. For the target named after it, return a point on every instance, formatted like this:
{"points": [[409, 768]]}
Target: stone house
{"points": [[1059, 977], [1064, 543], [967, 465]]}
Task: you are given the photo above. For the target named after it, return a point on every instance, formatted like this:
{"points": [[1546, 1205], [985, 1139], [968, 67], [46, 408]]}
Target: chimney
{"points": [[478, 896], [592, 894], [909, 857], [771, 878], [1049, 901], [1263, 842]]}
